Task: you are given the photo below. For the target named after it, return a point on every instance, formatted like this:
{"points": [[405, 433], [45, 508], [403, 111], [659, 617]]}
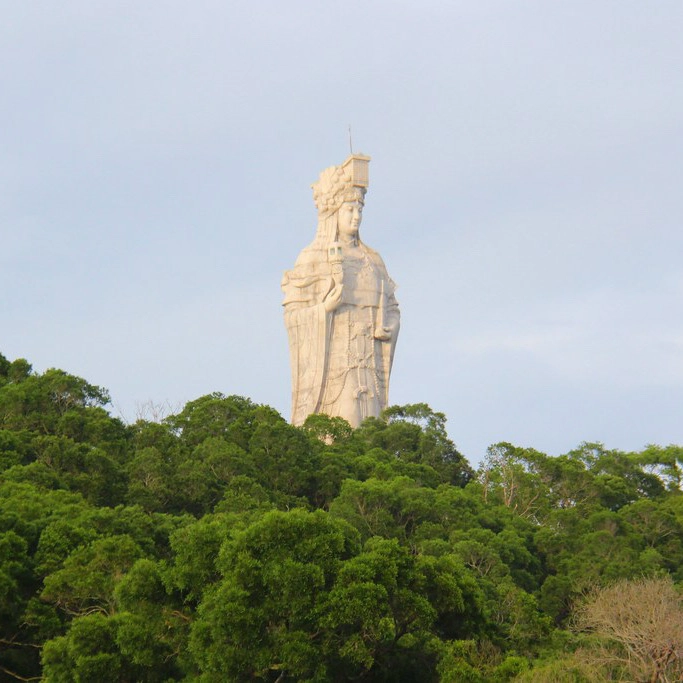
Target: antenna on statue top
{"points": [[350, 142]]}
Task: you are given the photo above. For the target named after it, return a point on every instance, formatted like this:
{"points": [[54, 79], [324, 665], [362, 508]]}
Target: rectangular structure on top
{"points": [[359, 165]]}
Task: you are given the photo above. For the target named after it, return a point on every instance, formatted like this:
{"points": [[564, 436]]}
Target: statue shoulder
{"points": [[311, 255], [376, 259], [311, 266], [373, 255]]}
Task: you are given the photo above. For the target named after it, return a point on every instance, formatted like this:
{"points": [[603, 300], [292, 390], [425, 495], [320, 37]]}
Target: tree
{"points": [[261, 620], [511, 476], [85, 585], [213, 415], [638, 629], [390, 509], [415, 433], [38, 401]]}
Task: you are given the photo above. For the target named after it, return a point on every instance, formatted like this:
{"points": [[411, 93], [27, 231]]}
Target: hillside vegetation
{"points": [[223, 544]]}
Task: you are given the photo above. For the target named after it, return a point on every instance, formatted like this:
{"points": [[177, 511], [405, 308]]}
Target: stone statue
{"points": [[341, 314]]}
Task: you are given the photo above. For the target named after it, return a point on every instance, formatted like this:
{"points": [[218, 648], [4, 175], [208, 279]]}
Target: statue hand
{"points": [[383, 333], [333, 299]]}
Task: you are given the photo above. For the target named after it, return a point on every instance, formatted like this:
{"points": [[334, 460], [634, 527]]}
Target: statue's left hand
{"points": [[383, 333]]}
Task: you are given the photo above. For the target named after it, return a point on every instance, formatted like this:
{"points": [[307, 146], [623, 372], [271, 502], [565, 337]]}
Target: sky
{"points": [[525, 194]]}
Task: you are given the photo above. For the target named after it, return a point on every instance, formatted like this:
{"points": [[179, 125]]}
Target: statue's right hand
{"points": [[333, 298]]}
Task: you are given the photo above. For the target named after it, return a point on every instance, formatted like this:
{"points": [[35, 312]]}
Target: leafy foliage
{"points": [[222, 543]]}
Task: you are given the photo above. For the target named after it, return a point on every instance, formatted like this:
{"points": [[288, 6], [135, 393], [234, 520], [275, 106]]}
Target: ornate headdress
{"points": [[339, 184]]}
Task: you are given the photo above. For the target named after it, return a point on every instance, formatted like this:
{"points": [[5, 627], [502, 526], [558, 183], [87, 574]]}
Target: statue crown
{"points": [[339, 184]]}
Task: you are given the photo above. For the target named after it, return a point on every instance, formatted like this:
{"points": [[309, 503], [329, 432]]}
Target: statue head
{"points": [[349, 217], [338, 187]]}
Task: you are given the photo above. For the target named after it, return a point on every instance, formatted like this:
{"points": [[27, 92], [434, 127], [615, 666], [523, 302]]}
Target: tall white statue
{"points": [[341, 314]]}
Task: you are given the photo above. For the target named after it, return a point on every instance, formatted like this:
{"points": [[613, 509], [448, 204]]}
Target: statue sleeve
{"points": [[308, 331]]}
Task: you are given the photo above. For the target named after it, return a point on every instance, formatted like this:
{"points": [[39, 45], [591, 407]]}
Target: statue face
{"points": [[350, 216]]}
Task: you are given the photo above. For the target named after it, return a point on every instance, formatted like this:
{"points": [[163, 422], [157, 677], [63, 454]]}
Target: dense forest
{"points": [[223, 544]]}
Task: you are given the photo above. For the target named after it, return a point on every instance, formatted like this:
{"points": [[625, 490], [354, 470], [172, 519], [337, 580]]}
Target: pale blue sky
{"points": [[526, 195]]}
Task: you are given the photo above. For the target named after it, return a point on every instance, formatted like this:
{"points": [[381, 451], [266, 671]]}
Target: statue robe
{"points": [[338, 365]]}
